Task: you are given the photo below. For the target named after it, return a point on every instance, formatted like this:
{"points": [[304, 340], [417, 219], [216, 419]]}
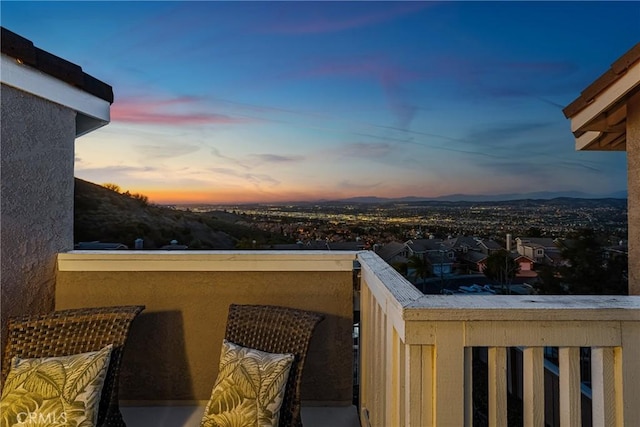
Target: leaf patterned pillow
{"points": [[249, 389], [54, 391]]}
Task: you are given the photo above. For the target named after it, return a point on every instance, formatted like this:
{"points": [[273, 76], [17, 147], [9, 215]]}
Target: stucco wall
{"points": [[174, 346], [633, 187], [36, 213]]}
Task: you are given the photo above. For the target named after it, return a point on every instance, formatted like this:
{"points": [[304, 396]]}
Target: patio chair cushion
{"points": [[75, 331], [62, 390], [249, 389]]}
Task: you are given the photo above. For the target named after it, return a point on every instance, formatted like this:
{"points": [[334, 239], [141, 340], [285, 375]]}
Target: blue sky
{"points": [[280, 101]]}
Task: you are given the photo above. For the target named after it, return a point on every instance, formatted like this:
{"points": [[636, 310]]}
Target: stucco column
{"points": [[633, 184], [36, 212]]}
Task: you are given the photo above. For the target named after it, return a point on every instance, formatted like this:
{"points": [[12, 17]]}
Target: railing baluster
{"points": [[379, 362], [603, 388], [533, 390], [365, 343], [468, 386], [402, 380], [392, 390], [498, 386], [449, 373], [570, 395]]}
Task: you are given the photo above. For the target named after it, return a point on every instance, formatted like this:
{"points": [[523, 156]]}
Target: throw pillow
{"points": [[54, 391], [249, 389]]}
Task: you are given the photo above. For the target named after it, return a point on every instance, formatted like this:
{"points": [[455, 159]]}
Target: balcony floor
{"points": [[190, 416]]}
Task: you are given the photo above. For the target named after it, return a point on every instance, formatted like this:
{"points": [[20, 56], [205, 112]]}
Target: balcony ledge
{"points": [[128, 260]]}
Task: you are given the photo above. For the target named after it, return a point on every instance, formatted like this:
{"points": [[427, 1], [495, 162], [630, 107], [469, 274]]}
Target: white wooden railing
{"points": [[416, 353]]}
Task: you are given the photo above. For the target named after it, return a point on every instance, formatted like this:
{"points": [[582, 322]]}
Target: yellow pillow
{"points": [[54, 391], [249, 389]]}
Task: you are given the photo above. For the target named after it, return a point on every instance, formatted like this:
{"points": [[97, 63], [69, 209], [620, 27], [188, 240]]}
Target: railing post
{"points": [[630, 373]]}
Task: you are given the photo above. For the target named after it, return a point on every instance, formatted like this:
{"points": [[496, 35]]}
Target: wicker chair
{"points": [[67, 332], [276, 330]]}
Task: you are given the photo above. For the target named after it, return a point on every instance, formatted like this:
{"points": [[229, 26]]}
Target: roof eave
{"points": [[92, 112], [598, 116]]}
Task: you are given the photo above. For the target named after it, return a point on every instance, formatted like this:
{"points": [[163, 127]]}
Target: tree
{"points": [[113, 187], [585, 271], [501, 268], [549, 281], [534, 232], [420, 266], [617, 275], [400, 267]]}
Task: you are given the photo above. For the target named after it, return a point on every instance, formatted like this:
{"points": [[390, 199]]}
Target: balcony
{"points": [[416, 352]]}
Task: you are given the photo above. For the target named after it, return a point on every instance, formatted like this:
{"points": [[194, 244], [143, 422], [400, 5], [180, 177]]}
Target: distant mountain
{"points": [[540, 195], [106, 215]]}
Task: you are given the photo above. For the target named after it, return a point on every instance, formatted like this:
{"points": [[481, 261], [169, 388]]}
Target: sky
{"points": [[238, 102]]}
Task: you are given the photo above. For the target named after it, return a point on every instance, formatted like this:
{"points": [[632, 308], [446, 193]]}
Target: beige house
{"points": [[606, 117]]}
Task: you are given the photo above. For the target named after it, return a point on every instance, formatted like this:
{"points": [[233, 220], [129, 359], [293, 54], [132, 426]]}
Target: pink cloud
{"points": [[170, 111]]}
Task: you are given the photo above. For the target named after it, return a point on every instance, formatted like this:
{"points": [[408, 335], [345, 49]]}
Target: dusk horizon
{"points": [[258, 102]]}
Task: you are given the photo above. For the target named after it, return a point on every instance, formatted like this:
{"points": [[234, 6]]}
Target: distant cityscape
{"points": [[379, 223]]}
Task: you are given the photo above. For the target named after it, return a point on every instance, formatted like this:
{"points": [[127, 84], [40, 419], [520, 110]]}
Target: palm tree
{"points": [[419, 266]]}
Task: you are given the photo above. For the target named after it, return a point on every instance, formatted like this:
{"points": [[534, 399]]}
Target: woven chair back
{"points": [[276, 329], [67, 332]]}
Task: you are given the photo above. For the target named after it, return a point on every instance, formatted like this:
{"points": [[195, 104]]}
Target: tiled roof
{"points": [[390, 250], [599, 115], [461, 241], [617, 70], [517, 256], [490, 244], [545, 242], [474, 256], [25, 52], [422, 245]]}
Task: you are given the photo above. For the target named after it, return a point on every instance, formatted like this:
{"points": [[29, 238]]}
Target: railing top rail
{"points": [[524, 307], [418, 307]]}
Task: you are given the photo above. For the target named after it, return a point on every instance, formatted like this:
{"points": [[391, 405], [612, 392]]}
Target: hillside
{"points": [[105, 215]]}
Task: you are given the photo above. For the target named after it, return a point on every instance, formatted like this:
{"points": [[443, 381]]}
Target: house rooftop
{"points": [[618, 69], [26, 53], [545, 242], [598, 116], [423, 245]]}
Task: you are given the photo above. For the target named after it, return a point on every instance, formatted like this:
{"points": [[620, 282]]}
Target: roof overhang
{"points": [[599, 116], [92, 111]]}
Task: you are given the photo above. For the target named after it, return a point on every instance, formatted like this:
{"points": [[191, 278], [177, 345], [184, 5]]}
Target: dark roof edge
{"points": [[617, 70], [22, 49]]}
